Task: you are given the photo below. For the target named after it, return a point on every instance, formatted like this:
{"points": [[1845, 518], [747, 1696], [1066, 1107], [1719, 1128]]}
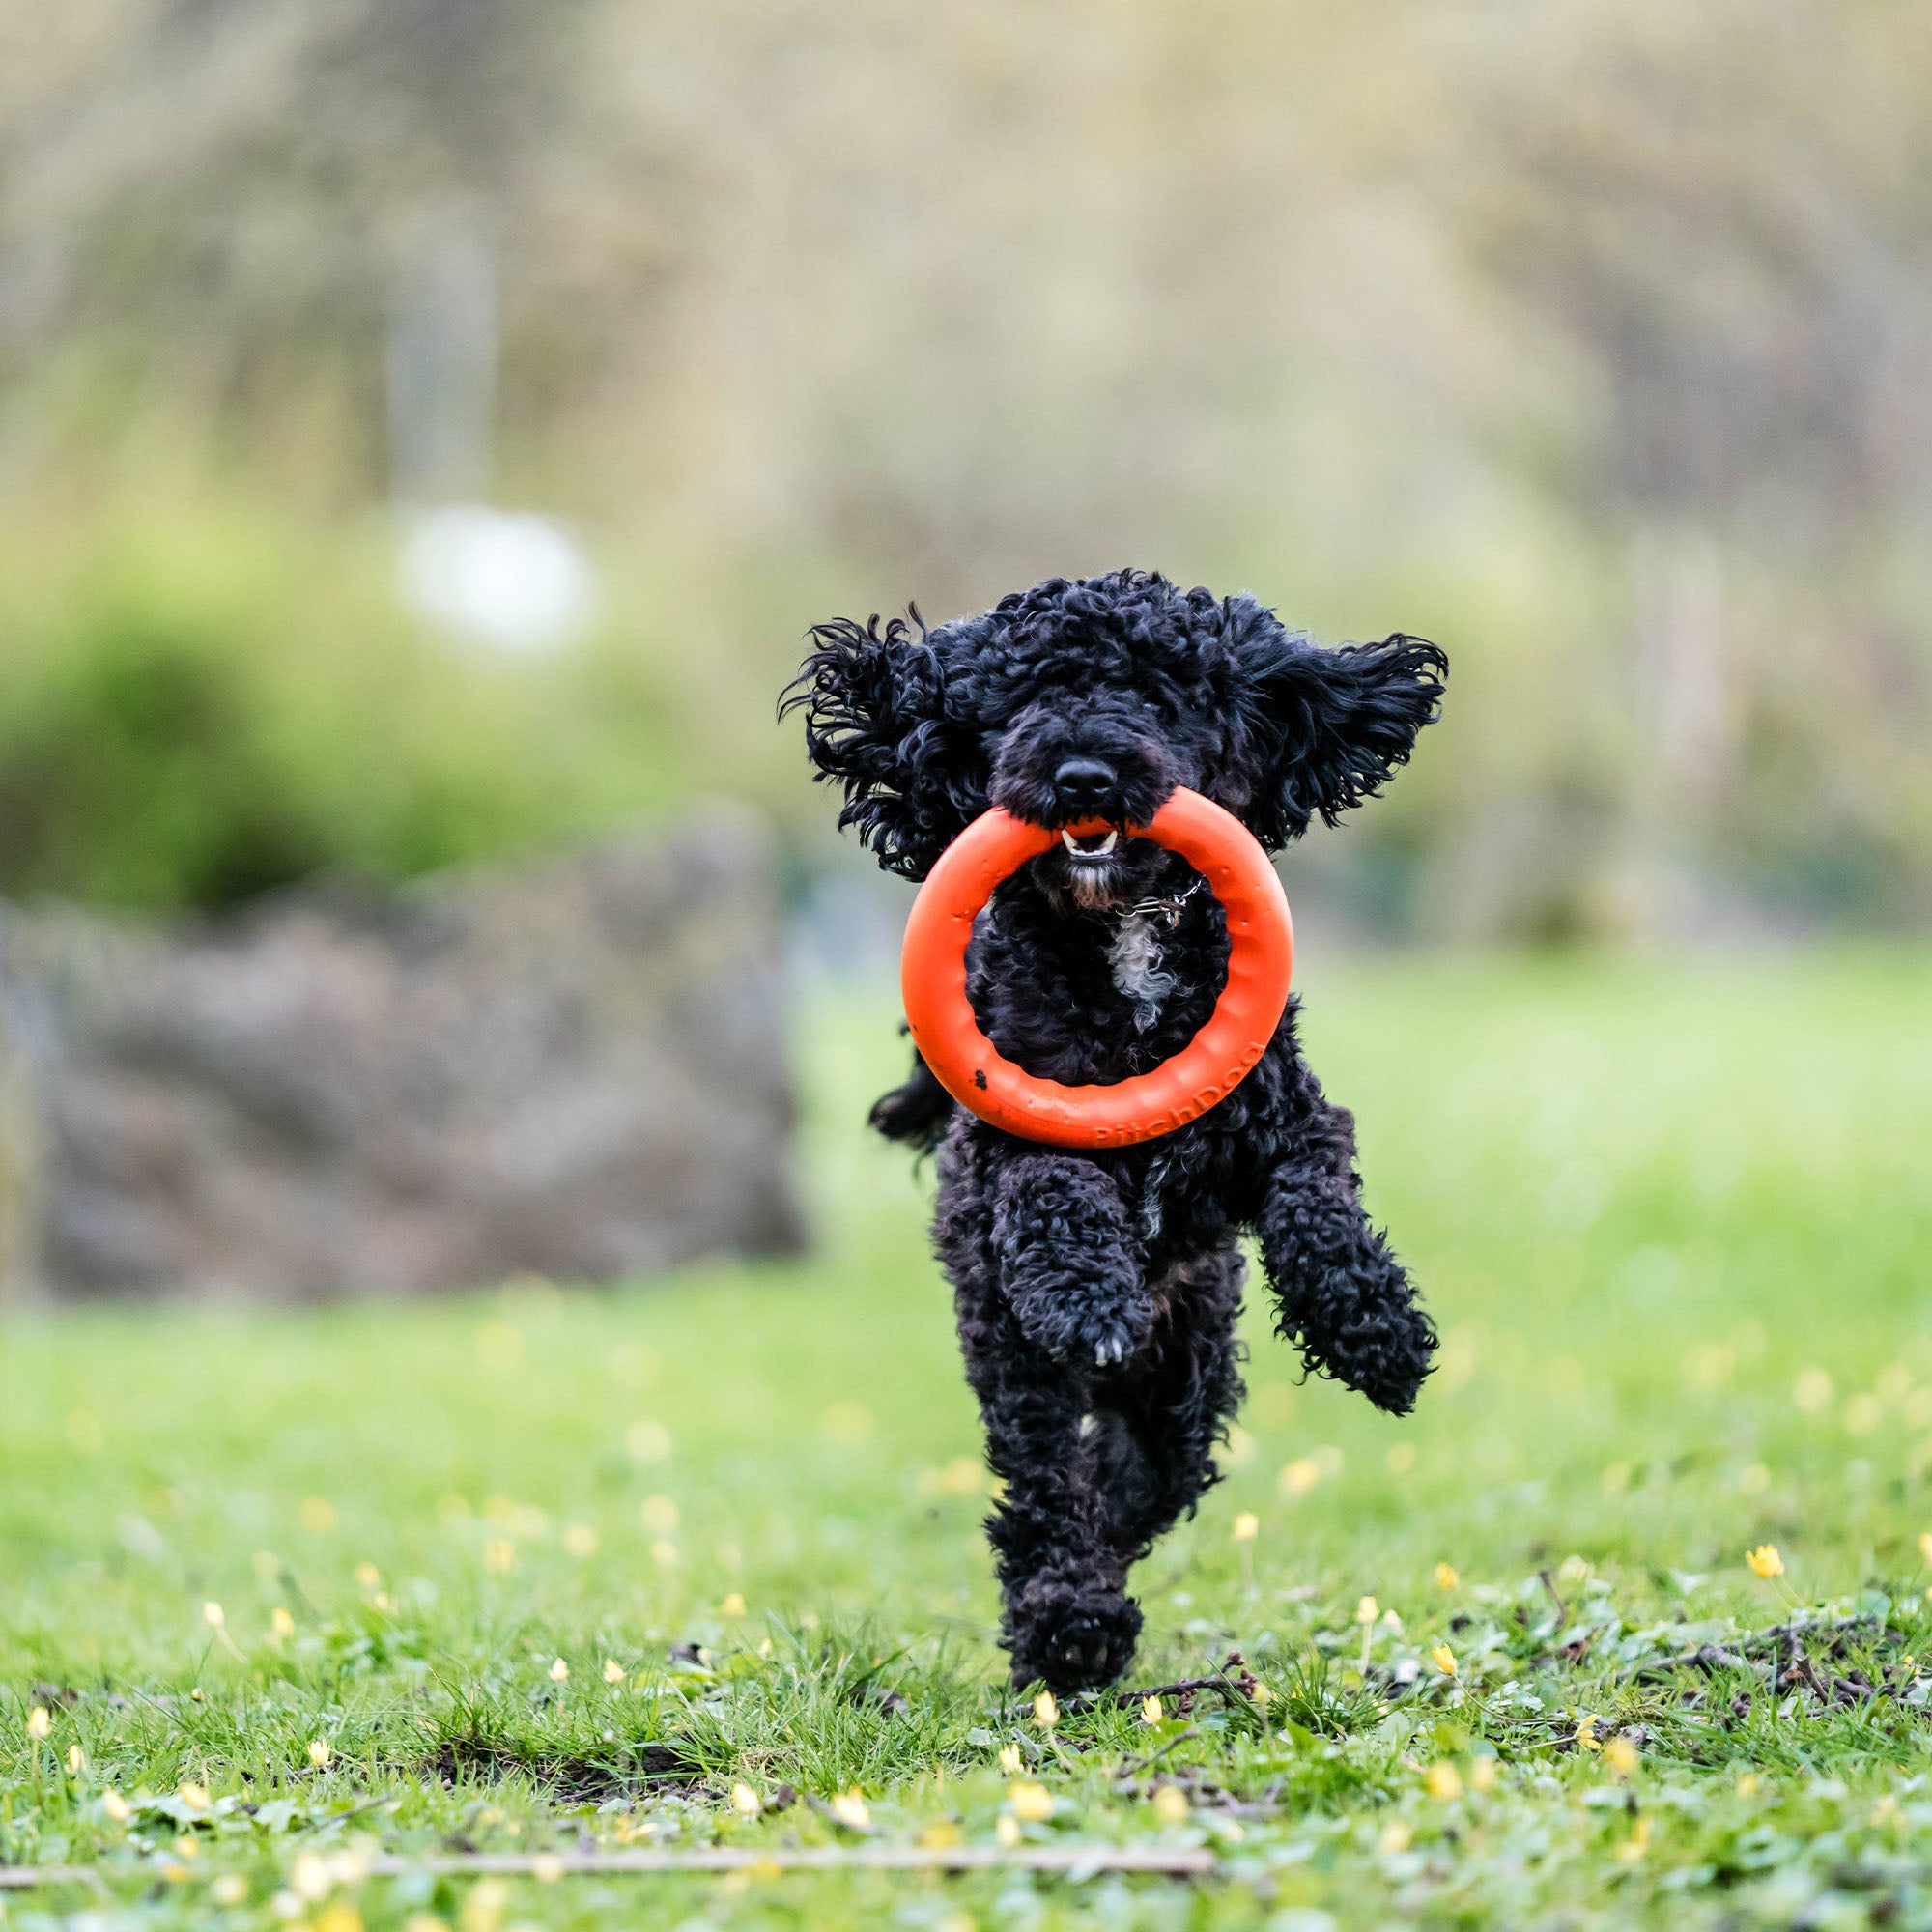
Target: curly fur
{"points": [[1097, 1291]]}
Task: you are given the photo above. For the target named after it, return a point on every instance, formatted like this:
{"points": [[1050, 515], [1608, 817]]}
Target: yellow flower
{"points": [[559, 1670], [1032, 1803], [1394, 1839], [281, 1623], [746, 1802], [1747, 1785], [733, 1606], [115, 1805], [547, 1869], [1620, 1754], [1636, 1844], [483, 1910], [1045, 1709], [1812, 1391], [1367, 1610], [76, 1759], [1007, 1830], [500, 1556], [663, 1553], [849, 1807], [1446, 1578], [308, 1877], [1149, 1709], [1586, 1733], [1009, 1760], [613, 1671], [368, 1576], [659, 1514], [580, 1540], [39, 1724], [193, 1796], [214, 1614], [229, 1888], [317, 1516], [1483, 1774], [1444, 1781], [1247, 1526], [1298, 1477], [1443, 1658], [1261, 1694], [1925, 1544], [1765, 1561], [1170, 1805], [320, 1754]]}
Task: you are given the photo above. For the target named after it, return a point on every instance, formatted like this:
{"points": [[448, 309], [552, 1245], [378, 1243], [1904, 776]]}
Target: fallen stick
{"points": [[23, 1877], [1175, 1861]]}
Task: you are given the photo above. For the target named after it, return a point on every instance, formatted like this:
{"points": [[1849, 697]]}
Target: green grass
{"points": [[1675, 1224]]}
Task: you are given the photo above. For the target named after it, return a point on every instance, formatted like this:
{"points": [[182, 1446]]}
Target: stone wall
{"points": [[575, 1068]]}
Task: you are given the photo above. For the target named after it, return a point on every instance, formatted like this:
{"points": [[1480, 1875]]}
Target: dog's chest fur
{"points": [[1135, 957]]}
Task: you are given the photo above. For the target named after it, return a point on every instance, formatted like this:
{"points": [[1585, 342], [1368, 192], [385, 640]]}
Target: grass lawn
{"points": [[543, 1571]]}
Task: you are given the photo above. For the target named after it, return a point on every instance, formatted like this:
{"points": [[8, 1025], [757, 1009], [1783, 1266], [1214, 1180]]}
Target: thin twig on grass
{"points": [[1180, 1862], [24, 1878], [1161, 1860], [1154, 1757]]}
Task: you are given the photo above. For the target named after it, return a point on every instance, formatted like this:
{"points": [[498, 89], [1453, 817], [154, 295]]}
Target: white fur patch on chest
{"points": [[1135, 959]]}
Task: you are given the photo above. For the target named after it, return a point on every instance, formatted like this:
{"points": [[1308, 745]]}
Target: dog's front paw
{"points": [[1073, 1642], [1080, 1325]]}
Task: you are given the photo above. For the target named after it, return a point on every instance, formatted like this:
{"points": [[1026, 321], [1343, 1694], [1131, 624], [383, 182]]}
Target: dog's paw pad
{"points": [[1080, 1647], [1091, 1651]]}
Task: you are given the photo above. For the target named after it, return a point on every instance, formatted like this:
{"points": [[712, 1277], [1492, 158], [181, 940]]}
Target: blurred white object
{"points": [[519, 581]]}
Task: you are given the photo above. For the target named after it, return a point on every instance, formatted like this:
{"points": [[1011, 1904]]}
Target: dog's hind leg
{"points": [[1066, 1620], [1158, 1425]]}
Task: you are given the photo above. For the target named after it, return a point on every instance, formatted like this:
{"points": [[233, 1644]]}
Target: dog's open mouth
{"points": [[1089, 847]]}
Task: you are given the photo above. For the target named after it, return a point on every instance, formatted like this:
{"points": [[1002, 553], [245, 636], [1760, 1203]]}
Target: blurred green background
{"points": [[1593, 340]]}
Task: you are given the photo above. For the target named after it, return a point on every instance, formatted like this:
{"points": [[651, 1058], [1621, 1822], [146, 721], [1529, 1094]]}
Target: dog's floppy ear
{"points": [[873, 700], [1326, 728]]}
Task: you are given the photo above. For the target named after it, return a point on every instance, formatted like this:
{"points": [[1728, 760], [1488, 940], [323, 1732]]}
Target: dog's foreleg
{"points": [[1341, 1296], [1067, 1262]]}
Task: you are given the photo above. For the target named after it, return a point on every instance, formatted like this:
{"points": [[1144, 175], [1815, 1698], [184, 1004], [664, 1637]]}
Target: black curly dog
{"points": [[1097, 1291]]}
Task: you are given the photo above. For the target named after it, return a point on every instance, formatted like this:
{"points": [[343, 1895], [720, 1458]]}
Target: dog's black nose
{"points": [[1083, 784]]}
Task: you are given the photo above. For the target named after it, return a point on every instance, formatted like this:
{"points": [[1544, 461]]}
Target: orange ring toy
{"points": [[933, 981]]}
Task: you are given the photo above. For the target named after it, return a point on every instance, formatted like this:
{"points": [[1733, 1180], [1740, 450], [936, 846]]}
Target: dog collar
{"points": [[1168, 909]]}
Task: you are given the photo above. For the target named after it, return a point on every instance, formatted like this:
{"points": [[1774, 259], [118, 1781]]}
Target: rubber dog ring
{"points": [[1260, 962]]}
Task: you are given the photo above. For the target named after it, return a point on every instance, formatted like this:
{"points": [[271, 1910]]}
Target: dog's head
{"points": [[1076, 702]]}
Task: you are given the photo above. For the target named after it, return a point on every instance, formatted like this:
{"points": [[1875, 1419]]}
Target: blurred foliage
{"points": [[202, 704], [1592, 339]]}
